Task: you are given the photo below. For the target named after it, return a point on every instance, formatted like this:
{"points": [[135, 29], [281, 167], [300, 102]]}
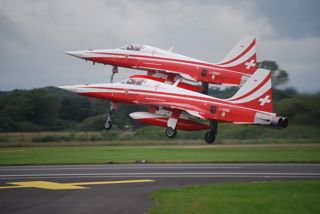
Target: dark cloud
{"points": [[292, 18], [8, 30]]}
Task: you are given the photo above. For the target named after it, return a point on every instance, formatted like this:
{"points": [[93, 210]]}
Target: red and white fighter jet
{"points": [[234, 69], [180, 109]]}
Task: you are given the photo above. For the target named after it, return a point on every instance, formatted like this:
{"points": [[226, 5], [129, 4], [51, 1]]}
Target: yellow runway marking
{"points": [[64, 186]]}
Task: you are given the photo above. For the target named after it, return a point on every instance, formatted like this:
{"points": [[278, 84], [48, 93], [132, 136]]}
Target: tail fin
{"points": [[256, 92], [242, 58]]}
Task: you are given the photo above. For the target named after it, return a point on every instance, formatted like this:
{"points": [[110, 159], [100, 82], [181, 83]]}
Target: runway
{"points": [[122, 188]]}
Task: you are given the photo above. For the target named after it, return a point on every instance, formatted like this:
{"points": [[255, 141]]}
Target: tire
{"points": [[170, 132], [285, 123], [108, 125], [210, 137]]}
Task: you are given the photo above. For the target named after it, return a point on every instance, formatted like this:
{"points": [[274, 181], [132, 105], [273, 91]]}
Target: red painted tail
{"points": [[242, 58], [256, 93]]}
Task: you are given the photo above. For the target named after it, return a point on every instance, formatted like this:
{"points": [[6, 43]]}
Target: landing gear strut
{"points": [[205, 87], [108, 124], [170, 132], [114, 71], [210, 136]]}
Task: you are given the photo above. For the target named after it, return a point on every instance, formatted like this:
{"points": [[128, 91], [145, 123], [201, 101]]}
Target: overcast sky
{"points": [[34, 34]]}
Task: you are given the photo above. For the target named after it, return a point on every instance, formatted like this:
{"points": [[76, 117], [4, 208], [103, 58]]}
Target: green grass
{"points": [[270, 198], [161, 154], [227, 133]]}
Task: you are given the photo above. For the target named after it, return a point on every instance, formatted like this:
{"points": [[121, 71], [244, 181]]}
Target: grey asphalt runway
{"points": [[122, 188]]}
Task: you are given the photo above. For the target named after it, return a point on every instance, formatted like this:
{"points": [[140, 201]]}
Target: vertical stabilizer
{"points": [[256, 93], [242, 57]]}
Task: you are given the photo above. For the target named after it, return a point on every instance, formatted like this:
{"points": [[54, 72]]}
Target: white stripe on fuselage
{"points": [[147, 57], [175, 94]]}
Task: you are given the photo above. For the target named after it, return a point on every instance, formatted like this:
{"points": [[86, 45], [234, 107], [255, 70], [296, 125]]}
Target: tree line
{"points": [[52, 109]]}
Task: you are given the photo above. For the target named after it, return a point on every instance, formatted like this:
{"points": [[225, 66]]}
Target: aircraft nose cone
{"points": [[71, 88], [79, 54]]}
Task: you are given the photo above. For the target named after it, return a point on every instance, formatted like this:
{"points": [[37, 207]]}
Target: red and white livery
{"points": [[180, 109], [234, 69]]}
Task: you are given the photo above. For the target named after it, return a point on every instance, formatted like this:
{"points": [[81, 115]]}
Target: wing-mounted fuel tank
{"points": [[162, 120]]}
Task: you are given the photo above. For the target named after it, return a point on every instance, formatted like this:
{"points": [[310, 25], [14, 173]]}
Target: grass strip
{"points": [[269, 198], [284, 153]]}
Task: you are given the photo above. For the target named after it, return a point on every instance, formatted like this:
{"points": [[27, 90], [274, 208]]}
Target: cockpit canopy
{"points": [[141, 48], [133, 47], [133, 81]]}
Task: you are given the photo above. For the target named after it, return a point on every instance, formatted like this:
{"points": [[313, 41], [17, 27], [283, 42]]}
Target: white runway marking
{"points": [[232, 170], [164, 174]]}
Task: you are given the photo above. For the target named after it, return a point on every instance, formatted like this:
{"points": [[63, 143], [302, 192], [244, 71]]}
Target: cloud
{"points": [[300, 57], [292, 18], [35, 33]]}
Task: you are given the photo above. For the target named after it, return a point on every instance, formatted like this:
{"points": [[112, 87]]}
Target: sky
{"points": [[34, 34]]}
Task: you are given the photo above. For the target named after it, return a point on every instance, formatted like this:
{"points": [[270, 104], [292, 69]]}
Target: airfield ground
{"points": [[258, 197], [262, 153], [126, 188], [222, 178]]}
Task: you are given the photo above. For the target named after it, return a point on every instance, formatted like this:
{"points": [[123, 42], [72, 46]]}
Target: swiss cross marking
{"points": [[264, 100], [250, 64]]}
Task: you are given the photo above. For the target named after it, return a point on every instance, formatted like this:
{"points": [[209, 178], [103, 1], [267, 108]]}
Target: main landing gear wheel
{"points": [[108, 125], [210, 137], [170, 132]]}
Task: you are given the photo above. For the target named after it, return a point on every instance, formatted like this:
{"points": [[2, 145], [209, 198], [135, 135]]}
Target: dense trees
{"points": [[28, 110], [279, 76], [302, 109], [54, 109]]}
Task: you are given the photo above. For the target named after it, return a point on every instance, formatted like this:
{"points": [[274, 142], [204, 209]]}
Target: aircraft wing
{"points": [[184, 76], [187, 108]]}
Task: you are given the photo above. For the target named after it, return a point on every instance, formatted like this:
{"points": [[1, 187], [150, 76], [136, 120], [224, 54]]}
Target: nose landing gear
{"points": [[108, 124], [114, 71]]}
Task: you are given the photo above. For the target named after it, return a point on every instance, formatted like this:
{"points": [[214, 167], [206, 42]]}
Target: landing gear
{"points": [[170, 132], [205, 87], [114, 71], [210, 136], [108, 124]]}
